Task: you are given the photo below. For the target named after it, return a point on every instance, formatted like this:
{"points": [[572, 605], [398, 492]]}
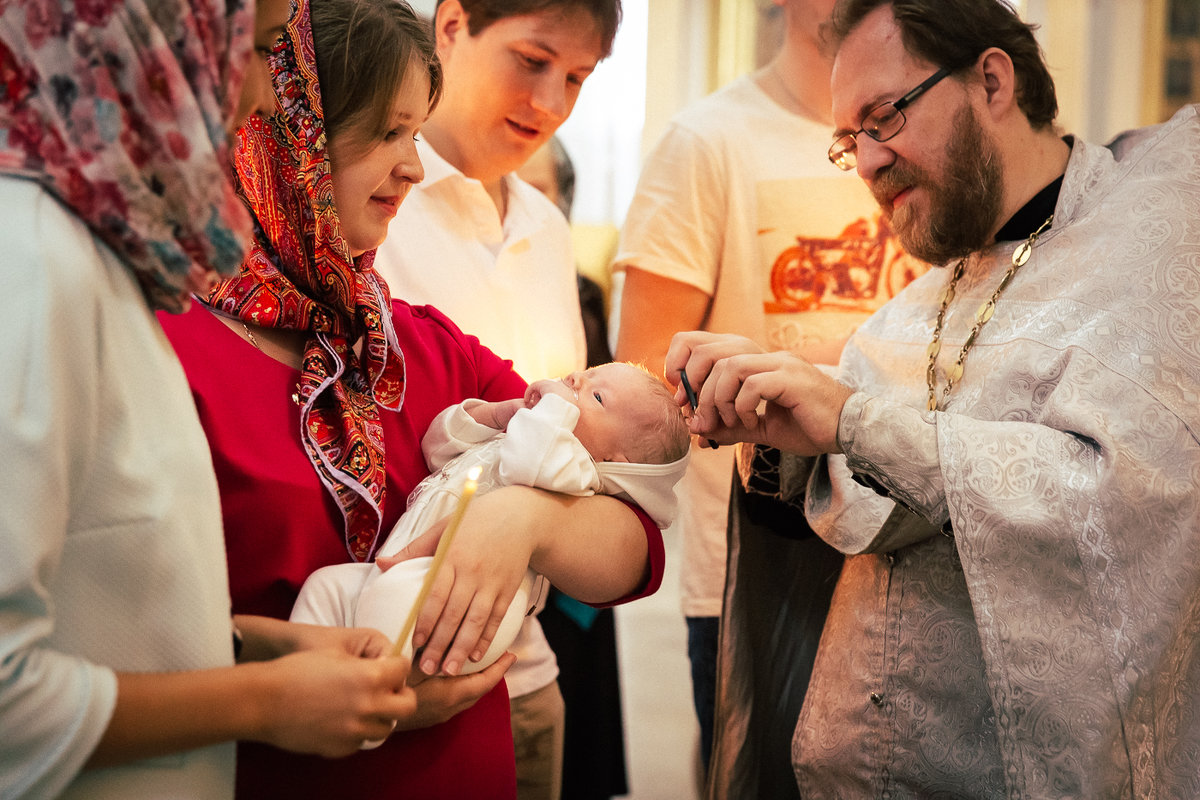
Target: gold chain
{"points": [[250, 336], [982, 315]]}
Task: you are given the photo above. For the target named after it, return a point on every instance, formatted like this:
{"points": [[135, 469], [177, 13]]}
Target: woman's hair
{"points": [[482, 13], [364, 49], [666, 437], [953, 34]]}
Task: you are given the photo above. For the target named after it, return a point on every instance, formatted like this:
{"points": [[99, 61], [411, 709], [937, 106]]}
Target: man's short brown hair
{"points": [[482, 13]]}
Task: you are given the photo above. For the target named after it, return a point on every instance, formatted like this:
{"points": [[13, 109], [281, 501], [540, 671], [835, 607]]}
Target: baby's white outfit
{"points": [[538, 449]]}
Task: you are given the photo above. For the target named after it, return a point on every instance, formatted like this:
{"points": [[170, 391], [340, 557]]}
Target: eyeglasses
{"points": [[881, 123]]}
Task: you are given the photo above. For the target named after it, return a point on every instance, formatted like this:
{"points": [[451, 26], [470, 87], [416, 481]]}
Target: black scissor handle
{"points": [[692, 399]]}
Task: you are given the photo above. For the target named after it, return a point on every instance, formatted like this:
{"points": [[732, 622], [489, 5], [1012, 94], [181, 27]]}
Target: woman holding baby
{"points": [[315, 387]]}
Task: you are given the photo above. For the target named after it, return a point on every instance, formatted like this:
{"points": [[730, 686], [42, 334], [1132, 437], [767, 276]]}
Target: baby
{"points": [[613, 429]]}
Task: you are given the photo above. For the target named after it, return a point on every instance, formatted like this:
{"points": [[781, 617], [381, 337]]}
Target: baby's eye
{"points": [[599, 399]]}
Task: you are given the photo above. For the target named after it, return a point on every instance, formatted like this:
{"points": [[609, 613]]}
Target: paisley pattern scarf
{"points": [[119, 109], [299, 275]]}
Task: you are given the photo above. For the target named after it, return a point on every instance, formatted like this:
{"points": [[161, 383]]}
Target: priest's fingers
{"points": [[694, 352], [777, 399]]}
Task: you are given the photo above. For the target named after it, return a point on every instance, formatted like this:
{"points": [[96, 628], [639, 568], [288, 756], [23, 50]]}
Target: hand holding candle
{"points": [[439, 556]]}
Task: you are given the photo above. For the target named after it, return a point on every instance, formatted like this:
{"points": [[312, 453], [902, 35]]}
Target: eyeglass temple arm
{"points": [[919, 90]]}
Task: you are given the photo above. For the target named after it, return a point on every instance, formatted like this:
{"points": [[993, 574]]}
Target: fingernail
{"points": [[477, 655], [428, 666], [451, 667]]}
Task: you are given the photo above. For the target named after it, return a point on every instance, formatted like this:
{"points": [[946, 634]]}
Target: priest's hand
{"points": [[746, 395]]}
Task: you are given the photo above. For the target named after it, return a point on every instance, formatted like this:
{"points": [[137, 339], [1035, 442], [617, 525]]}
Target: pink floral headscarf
{"points": [[119, 109]]}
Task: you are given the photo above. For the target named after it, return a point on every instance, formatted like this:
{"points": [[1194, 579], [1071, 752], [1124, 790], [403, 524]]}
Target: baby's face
{"points": [[614, 406]]}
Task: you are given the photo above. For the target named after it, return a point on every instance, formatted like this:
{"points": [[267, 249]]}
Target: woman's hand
{"points": [[440, 698], [326, 701], [745, 395], [477, 580], [593, 548], [433, 699], [264, 638], [329, 702]]}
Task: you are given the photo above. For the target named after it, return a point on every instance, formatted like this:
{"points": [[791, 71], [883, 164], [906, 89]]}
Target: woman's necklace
{"points": [[251, 337], [982, 315]]}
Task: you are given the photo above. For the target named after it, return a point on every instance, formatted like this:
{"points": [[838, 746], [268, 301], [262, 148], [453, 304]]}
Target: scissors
{"points": [[692, 399]]}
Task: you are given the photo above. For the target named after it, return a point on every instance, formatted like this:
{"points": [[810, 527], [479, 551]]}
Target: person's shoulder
{"points": [[37, 227], [438, 350], [697, 116], [26, 197], [731, 107], [1179, 132], [423, 323], [406, 314], [738, 119], [712, 130], [191, 329], [50, 257], [1135, 162]]}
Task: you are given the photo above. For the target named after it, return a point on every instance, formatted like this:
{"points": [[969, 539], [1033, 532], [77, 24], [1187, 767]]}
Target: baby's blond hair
{"points": [[665, 437]]}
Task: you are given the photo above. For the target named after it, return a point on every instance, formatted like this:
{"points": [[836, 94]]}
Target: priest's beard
{"points": [[963, 204]]}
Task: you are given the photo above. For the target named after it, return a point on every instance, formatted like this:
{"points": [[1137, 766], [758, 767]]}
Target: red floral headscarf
{"points": [[299, 275], [119, 109]]}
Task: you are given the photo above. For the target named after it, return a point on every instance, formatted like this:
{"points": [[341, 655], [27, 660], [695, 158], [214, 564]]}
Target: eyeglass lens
{"points": [[881, 123]]}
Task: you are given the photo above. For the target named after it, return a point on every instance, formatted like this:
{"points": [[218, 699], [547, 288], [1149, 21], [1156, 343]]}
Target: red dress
{"points": [[281, 524]]}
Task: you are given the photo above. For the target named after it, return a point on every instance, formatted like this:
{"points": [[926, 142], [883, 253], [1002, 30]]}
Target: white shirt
{"points": [[510, 282], [111, 553]]}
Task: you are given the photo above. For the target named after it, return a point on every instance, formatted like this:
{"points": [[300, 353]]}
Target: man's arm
{"points": [[653, 309]]}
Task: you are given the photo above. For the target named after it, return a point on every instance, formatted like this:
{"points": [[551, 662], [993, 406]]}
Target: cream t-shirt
{"points": [[739, 200]]}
